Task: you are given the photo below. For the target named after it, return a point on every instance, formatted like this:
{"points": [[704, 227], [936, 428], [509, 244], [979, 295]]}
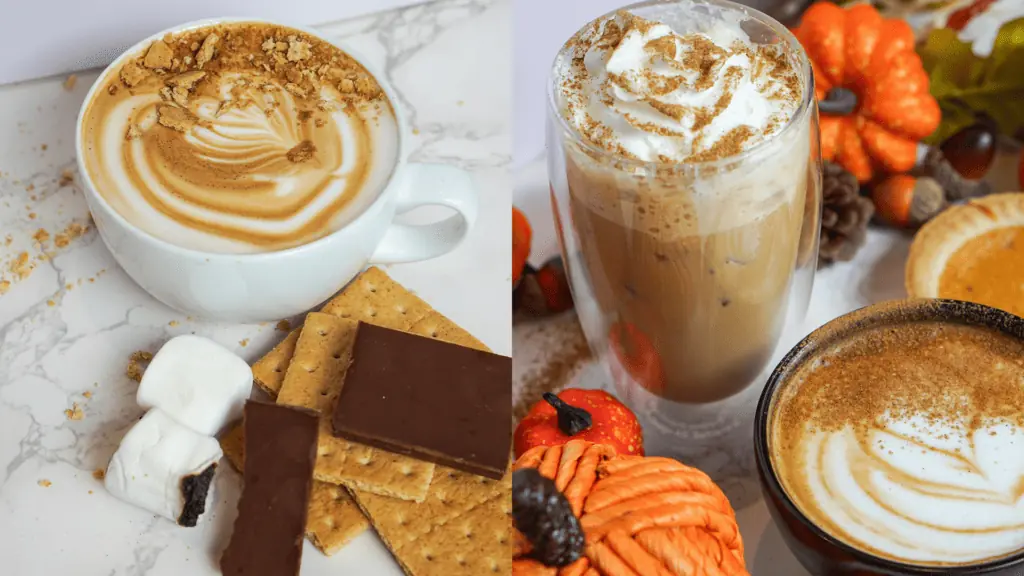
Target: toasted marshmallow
{"points": [[165, 468], [198, 382]]}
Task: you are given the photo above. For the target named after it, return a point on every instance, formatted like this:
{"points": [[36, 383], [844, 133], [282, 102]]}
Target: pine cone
{"points": [[844, 218]]}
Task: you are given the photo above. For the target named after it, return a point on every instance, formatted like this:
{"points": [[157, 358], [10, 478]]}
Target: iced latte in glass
{"points": [[685, 177]]}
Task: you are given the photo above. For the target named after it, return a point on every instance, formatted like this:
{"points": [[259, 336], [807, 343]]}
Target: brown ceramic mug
{"points": [[828, 551]]}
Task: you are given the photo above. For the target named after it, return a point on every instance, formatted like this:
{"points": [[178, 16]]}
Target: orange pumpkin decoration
{"points": [[871, 87], [639, 515], [522, 235]]}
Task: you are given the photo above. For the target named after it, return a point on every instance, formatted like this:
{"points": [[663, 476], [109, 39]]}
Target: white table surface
{"points": [[448, 62], [876, 274]]}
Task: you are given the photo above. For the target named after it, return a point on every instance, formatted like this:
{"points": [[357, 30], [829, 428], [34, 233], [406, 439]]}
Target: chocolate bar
{"points": [[428, 399], [280, 451]]}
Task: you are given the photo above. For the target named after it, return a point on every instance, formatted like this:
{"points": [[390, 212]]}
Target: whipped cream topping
{"points": [[920, 491], [641, 89]]}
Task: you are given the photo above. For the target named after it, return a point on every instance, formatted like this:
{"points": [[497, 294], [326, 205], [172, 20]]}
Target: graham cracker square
{"points": [[334, 518], [435, 325], [314, 379], [463, 527], [372, 297]]}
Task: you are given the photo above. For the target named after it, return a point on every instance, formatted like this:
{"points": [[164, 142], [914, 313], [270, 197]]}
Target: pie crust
{"points": [[938, 240]]}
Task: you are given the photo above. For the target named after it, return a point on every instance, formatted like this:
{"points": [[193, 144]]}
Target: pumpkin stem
{"points": [[543, 515], [838, 102], [956, 186], [571, 420]]}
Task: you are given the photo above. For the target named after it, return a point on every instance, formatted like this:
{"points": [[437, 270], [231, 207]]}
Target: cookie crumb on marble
{"points": [[70, 81], [75, 412], [99, 473], [135, 369], [45, 483]]}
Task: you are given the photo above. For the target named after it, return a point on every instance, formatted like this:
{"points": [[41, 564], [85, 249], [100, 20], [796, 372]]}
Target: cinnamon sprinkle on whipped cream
{"points": [[638, 88]]}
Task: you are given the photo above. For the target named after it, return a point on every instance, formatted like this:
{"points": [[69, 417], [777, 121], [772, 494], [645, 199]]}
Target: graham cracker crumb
{"points": [[51, 303], [172, 323], [176, 118], [132, 74], [186, 80], [41, 236], [20, 266], [205, 53], [159, 56], [70, 81], [5, 285], [66, 177], [298, 50], [73, 231], [302, 152], [283, 326], [296, 90], [74, 413], [179, 95], [87, 394], [99, 473], [243, 342], [135, 369], [45, 483]]}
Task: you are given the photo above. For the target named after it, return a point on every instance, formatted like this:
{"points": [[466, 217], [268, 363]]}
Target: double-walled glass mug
{"points": [[684, 274]]}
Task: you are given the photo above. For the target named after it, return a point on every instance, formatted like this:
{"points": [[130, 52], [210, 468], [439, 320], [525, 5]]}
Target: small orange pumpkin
{"points": [[522, 235], [871, 87]]}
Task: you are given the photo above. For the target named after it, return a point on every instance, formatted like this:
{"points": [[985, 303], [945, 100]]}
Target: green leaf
{"points": [[966, 85]]}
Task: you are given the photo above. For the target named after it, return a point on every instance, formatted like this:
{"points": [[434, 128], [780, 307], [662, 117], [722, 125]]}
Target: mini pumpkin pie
{"points": [[973, 252]]}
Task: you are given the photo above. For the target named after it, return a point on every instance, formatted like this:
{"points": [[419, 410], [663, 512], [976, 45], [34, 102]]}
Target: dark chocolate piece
{"points": [[194, 489], [428, 399], [280, 451]]}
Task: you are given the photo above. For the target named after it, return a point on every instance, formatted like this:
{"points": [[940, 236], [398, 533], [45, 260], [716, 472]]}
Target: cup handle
{"points": [[429, 185]]}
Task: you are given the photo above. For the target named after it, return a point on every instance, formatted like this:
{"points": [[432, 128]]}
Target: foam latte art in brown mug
{"points": [[240, 138], [907, 443]]}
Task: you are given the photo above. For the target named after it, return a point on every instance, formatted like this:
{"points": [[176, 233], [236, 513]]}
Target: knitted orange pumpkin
{"points": [[640, 515], [871, 87]]}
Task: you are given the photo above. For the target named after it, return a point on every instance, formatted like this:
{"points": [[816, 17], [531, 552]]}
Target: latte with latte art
{"points": [[239, 138], [907, 442]]}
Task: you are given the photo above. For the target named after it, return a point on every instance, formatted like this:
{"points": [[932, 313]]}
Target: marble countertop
{"points": [[544, 347], [70, 319]]}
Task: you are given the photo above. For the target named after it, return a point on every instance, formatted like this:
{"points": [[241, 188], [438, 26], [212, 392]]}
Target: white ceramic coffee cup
{"points": [[275, 285]]}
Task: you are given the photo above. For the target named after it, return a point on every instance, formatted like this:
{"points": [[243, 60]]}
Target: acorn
{"points": [[907, 201], [971, 151], [543, 291]]}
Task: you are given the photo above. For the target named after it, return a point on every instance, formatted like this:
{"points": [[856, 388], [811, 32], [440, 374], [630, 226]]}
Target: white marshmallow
{"points": [[198, 382], [154, 457]]}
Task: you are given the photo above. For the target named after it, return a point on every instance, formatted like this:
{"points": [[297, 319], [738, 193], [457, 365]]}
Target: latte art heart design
{"points": [[917, 491]]}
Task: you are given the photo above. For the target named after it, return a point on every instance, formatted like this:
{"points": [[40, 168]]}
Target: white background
{"points": [[541, 27], [69, 35]]}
